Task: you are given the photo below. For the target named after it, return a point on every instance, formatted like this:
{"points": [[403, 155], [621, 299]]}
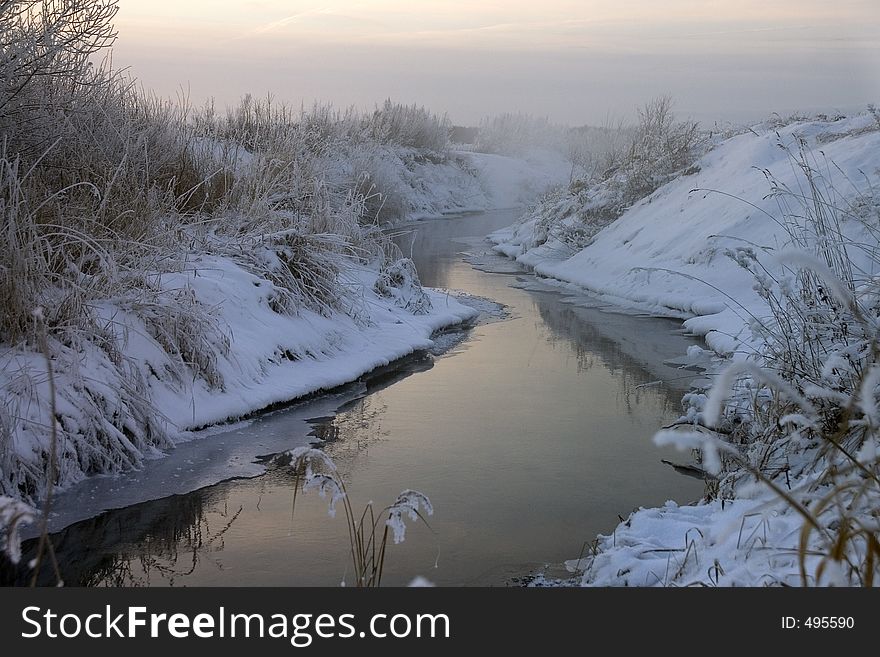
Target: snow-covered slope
{"points": [[689, 250], [152, 374], [668, 254], [260, 357]]}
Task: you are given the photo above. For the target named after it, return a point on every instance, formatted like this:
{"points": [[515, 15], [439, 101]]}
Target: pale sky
{"points": [[573, 61]]}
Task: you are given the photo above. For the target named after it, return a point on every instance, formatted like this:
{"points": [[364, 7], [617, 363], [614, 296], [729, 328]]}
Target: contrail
{"points": [[287, 20]]}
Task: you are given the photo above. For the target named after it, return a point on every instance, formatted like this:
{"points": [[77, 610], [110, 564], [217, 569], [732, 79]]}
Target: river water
{"points": [[530, 436]]}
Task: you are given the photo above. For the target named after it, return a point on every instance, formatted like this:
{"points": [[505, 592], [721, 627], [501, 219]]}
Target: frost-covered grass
{"points": [[368, 531], [805, 406], [13, 516], [189, 265], [613, 168], [769, 249]]}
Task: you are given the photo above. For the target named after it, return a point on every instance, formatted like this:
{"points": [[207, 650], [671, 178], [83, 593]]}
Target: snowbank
{"points": [[153, 373], [752, 540], [668, 253], [685, 251], [739, 543], [270, 357]]}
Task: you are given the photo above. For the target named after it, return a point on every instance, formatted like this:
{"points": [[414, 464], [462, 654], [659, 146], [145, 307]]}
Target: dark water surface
{"points": [[530, 437]]}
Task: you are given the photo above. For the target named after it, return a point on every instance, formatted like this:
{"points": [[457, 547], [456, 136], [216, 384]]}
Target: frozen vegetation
{"points": [[764, 241], [165, 267]]}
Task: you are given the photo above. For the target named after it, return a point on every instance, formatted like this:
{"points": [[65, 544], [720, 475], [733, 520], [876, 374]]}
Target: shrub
{"points": [[659, 148], [408, 125]]}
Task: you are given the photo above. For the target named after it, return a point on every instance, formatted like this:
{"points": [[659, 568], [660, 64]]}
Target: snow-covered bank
{"points": [[411, 184], [713, 247], [668, 253], [154, 372], [742, 542], [261, 357], [174, 267], [206, 267]]}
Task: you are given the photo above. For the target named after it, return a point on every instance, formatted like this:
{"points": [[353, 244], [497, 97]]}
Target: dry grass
{"points": [[805, 422], [106, 191], [368, 531]]}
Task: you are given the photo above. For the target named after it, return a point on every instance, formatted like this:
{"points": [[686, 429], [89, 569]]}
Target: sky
{"points": [[573, 61]]}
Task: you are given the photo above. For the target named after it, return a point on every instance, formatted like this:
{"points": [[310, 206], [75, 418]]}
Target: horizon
{"points": [[575, 63]]}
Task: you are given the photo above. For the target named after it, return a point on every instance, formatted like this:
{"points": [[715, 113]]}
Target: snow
{"points": [[325, 481], [271, 358], [685, 545], [13, 516], [681, 252], [407, 504], [666, 254], [684, 251], [136, 399], [399, 281], [752, 540]]}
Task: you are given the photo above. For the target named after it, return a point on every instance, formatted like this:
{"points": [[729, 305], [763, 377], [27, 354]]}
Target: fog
{"points": [[574, 62]]}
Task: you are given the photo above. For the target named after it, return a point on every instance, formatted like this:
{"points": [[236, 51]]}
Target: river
{"points": [[531, 434]]}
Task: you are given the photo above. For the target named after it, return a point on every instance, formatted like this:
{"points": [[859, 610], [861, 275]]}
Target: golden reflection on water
{"points": [[530, 438]]}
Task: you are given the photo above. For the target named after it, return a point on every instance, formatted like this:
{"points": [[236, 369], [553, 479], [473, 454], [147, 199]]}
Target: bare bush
{"points": [[45, 51], [659, 148]]}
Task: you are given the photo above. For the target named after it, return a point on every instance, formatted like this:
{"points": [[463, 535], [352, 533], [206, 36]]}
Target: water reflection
{"points": [[530, 439], [141, 545], [435, 246], [617, 343]]}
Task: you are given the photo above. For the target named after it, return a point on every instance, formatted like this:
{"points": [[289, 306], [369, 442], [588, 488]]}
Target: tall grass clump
{"points": [[408, 125], [659, 149], [614, 167], [802, 415], [357, 157], [108, 195], [368, 530]]}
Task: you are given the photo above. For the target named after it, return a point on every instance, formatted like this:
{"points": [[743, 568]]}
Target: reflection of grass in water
{"points": [[593, 348], [348, 436], [167, 559], [162, 540]]}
